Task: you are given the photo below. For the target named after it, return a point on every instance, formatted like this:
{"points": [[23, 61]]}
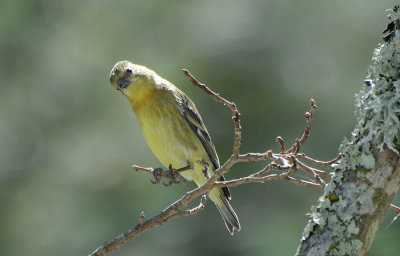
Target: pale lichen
{"points": [[377, 107]]}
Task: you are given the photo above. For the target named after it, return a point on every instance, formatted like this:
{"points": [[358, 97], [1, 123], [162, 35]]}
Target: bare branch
{"points": [[306, 133], [253, 179]]}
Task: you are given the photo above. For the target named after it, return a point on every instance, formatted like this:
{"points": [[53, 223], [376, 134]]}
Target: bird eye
{"points": [[128, 70]]}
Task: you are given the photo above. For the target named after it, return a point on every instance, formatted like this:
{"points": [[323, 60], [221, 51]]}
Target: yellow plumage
{"points": [[173, 128]]}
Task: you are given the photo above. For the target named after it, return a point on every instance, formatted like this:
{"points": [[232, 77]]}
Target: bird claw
{"points": [[169, 183], [172, 174], [158, 174]]}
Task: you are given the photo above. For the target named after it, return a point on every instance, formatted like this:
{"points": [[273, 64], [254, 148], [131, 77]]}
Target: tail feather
{"points": [[229, 216]]}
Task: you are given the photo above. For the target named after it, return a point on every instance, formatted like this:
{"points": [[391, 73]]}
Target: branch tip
{"points": [[281, 143], [141, 218], [312, 103]]}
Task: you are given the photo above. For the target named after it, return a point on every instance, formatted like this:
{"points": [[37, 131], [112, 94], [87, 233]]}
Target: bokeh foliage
{"points": [[68, 139]]}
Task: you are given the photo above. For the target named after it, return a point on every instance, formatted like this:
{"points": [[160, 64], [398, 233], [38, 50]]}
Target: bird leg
{"points": [[205, 170]]}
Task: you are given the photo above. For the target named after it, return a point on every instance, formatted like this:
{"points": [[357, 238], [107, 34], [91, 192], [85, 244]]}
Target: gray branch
{"points": [[365, 181]]}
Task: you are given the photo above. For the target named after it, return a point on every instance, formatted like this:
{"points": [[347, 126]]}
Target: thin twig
{"points": [[311, 171], [194, 210], [395, 208], [320, 163], [306, 133], [282, 144], [231, 105], [270, 167], [145, 169]]}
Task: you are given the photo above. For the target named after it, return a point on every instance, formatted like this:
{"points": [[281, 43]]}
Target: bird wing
{"points": [[192, 116]]}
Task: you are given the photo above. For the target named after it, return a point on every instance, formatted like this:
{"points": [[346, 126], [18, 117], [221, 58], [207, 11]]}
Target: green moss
{"points": [[333, 197], [365, 171], [378, 197], [366, 181], [370, 222]]}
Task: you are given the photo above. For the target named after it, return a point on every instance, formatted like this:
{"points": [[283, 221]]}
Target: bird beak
{"points": [[123, 83]]}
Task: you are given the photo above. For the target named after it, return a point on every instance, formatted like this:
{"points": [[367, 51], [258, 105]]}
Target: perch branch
{"points": [[286, 162]]}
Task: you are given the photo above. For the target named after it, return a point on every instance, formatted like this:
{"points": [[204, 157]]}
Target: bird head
{"points": [[125, 74], [136, 82]]}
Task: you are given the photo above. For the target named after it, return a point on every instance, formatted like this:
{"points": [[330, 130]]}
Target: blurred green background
{"points": [[68, 139]]}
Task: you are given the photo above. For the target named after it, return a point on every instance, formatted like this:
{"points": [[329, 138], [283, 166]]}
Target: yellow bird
{"points": [[173, 129]]}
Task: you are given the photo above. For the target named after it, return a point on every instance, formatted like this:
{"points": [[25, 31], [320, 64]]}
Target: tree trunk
{"points": [[368, 176]]}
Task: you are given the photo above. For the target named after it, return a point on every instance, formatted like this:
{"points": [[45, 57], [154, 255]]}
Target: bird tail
{"points": [[228, 215]]}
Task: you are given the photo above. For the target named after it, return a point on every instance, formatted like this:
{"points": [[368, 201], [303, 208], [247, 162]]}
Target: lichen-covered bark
{"points": [[368, 176]]}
